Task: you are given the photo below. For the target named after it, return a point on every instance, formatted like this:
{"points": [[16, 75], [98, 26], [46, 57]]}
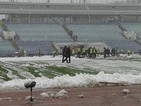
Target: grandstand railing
{"points": [[77, 1], [53, 8]]}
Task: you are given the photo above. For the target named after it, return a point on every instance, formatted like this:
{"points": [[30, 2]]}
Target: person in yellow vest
{"points": [[128, 52], [39, 52], [83, 52], [24, 53], [117, 52], [73, 52], [53, 53], [90, 52], [98, 52], [94, 52], [78, 52]]}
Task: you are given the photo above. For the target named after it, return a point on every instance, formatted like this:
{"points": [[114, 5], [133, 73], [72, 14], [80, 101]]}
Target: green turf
{"points": [[32, 71], [47, 71], [3, 74]]}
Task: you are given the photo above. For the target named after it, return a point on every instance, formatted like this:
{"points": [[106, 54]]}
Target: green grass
{"points": [[58, 71], [6, 78], [53, 71], [69, 71], [32, 71], [14, 72], [48, 71], [2, 70], [3, 73], [48, 74]]}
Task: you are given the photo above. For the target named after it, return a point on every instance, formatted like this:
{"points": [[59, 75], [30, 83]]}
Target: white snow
{"points": [[44, 95], [114, 69], [61, 93]]}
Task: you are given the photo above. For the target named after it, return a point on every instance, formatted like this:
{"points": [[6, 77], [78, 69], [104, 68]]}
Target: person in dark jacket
{"points": [[64, 54], [113, 52], [105, 52], [108, 52], [69, 54]]}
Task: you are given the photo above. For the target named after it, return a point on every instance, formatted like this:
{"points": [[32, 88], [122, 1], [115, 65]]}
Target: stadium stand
{"points": [[38, 36], [32, 47], [122, 45]]}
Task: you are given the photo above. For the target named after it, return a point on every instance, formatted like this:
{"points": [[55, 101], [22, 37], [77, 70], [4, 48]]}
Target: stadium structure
{"points": [[78, 13], [64, 15]]}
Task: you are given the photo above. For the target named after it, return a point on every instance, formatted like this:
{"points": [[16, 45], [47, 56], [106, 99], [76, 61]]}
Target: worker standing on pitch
{"points": [[64, 54], [72, 51], [39, 52], [78, 52], [90, 52], [83, 52], [117, 51], [94, 52], [68, 55], [54, 53], [128, 52]]}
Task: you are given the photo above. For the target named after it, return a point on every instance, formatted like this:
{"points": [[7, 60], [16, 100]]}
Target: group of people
{"points": [[82, 52], [79, 52], [114, 52], [91, 52]]}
